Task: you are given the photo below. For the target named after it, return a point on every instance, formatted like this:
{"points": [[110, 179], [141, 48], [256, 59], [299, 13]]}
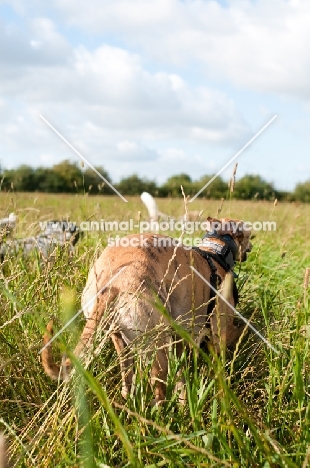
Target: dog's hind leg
{"points": [[126, 363], [159, 374]]}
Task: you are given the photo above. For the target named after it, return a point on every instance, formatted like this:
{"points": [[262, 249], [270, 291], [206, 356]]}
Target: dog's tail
{"points": [[150, 204], [53, 370], [152, 208]]}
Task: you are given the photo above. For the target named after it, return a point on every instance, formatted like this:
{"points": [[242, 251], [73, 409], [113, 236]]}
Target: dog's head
{"points": [[237, 229]]}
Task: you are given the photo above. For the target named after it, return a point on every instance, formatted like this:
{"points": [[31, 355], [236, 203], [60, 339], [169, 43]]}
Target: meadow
{"points": [[245, 408]]}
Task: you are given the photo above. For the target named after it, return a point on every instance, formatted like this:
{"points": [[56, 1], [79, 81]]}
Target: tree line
{"points": [[68, 177]]}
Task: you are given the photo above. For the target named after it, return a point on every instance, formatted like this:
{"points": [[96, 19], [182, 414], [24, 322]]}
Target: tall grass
{"points": [[249, 407]]}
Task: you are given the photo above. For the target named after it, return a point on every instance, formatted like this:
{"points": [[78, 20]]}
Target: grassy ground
{"points": [[250, 408]]}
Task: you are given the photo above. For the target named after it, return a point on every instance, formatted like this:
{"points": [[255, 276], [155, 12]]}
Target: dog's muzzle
{"points": [[245, 254]]}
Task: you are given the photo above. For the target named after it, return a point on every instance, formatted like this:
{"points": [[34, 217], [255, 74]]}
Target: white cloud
{"points": [[133, 151], [260, 45], [117, 92], [104, 101], [35, 44], [173, 154], [133, 14], [38, 45], [152, 104]]}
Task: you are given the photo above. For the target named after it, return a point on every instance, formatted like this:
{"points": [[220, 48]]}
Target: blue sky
{"points": [[157, 87]]}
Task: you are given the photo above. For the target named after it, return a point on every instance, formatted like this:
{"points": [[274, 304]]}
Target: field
{"points": [[247, 408]]}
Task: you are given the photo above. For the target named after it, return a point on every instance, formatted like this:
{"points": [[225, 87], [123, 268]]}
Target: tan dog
{"points": [[153, 265]]}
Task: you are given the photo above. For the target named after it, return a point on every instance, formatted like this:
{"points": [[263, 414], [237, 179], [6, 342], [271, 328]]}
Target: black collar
{"points": [[224, 255], [227, 238]]}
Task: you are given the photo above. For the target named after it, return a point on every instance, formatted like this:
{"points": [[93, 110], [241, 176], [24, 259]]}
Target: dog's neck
{"points": [[223, 247]]}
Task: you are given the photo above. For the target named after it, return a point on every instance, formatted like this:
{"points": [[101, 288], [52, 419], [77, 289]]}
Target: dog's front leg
{"points": [[222, 318], [220, 321]]}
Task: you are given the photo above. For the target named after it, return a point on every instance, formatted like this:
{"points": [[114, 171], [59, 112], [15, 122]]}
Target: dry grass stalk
{"points": [[185, 198], [306, 278], [219, 209], [233, 179], [3, 453], [235, 169]]}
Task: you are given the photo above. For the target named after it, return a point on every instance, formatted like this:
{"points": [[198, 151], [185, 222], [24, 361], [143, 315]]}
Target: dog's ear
{"points": [[225, 226], [232, 227], [212, 224]]}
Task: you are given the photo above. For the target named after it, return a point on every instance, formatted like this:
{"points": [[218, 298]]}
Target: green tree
{"points": [[68, 176], [95, 184], [216, 190], [254, 186], [134, 185], [172, 187], [22, 178], [47, 180], [64, 177], [302, 192], [7, 177]]}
